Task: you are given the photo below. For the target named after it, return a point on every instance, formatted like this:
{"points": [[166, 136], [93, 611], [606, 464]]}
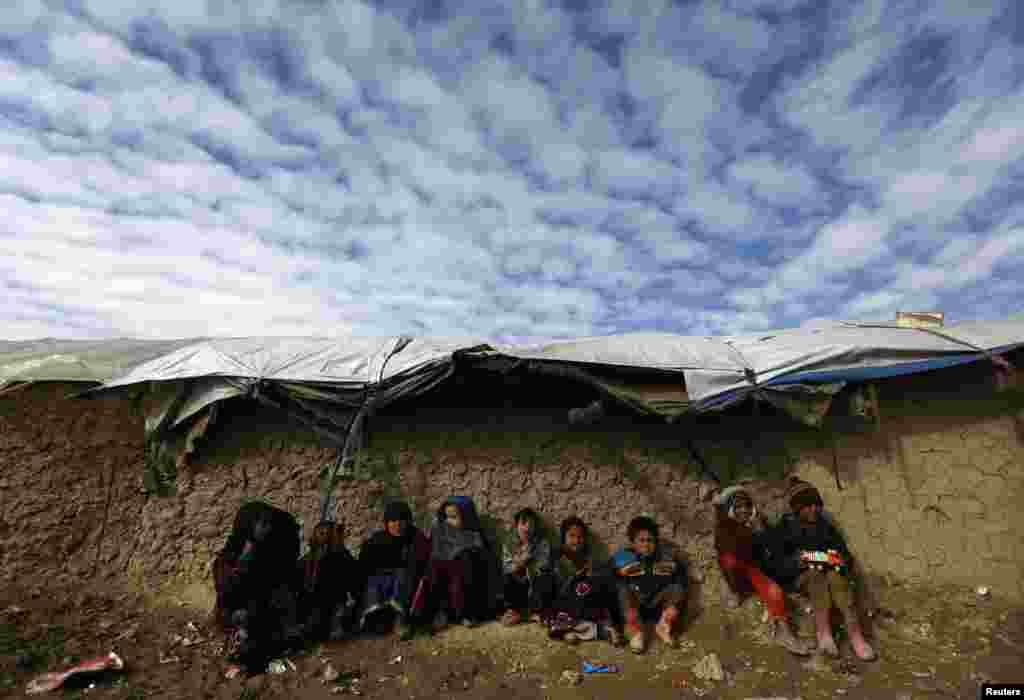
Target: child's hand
{"points": [[664, 568], [518, 561]]}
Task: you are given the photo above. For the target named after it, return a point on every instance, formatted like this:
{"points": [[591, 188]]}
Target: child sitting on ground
{"points": [[329, 576], [650, 578], [456, 579], [737, 529], [584, 597], [256, 586], [528, 566], [393, 560], [817, 558]]}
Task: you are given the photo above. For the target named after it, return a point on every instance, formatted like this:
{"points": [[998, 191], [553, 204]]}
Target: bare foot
{"points": [[730, 599], [864, 651], [827, 646], [664, 632], [637, 641]]}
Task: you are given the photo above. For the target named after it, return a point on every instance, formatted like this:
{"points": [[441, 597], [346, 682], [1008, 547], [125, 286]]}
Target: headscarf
{"points": [[316, 554], [399, 510], [726, 500], [448, 542]]}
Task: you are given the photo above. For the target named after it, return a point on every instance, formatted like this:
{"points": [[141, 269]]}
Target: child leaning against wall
{"points": [[739, 533], [528, 569], [651, 580], [807, 551], [456, 583]]}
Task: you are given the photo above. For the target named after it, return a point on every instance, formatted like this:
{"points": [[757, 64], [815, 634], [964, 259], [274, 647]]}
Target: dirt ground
{"points": [[932, 643]]}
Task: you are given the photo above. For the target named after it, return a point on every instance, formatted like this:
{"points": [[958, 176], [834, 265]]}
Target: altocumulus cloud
{"points": [[512, 170]]}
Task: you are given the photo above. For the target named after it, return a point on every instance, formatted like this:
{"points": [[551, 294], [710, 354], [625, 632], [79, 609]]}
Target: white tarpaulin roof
{"points": [[713, 367], [52, 359], [355, 361], [717, 366]]}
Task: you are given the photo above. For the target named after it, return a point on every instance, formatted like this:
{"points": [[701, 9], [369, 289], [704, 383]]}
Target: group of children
{"points": [[455, 574], [804, 551]]}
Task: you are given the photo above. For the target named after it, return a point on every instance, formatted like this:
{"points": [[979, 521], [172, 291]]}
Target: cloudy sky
{"points": [[519, 169]]}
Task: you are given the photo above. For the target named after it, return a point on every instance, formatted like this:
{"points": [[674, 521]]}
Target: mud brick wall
{"points": [[932, 496]]}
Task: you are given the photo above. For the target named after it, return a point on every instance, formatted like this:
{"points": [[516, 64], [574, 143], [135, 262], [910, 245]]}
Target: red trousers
{"points": [[745, 577]]}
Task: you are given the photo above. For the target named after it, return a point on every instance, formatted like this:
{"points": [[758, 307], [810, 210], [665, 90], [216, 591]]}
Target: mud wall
{"points": [[932, 495]]}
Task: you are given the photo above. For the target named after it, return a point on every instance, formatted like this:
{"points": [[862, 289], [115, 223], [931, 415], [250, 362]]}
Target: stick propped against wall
{"points": [[873, 405], [835, 460]]}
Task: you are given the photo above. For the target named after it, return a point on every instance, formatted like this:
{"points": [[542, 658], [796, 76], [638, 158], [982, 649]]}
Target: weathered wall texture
{"points": [[934, 496]]}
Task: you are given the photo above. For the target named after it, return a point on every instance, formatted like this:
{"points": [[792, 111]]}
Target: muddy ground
{"points": [[933, 643]]}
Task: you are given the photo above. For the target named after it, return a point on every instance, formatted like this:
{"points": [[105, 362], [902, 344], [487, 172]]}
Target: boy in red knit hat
{"points": [[819, 561]]}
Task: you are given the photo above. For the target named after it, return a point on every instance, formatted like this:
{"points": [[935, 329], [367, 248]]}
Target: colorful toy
{"points": [[822, 560]]}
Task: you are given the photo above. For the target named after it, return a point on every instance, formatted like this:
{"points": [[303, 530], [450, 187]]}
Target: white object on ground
{"points": [[52, 681]]}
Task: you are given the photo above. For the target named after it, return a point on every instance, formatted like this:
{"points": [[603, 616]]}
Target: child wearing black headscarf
{"points": [[329, 575], [393, 560]]}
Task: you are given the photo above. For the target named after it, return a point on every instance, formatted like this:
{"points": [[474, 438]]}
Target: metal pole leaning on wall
{"points": [[701, 462], [835, 459], [355, 430], [753, 443]]}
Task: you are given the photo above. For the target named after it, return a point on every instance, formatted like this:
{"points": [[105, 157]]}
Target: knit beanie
{"points": [[397, 510], [802, 493]]}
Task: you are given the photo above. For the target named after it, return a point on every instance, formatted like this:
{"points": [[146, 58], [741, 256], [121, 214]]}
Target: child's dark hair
{"points": [[639, 524], [528, 514], [571, 522]]}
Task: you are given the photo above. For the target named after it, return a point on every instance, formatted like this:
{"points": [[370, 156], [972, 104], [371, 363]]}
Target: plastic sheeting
{"points": [[52, 359], [717, 370], [724, 369], [352, 362]]}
